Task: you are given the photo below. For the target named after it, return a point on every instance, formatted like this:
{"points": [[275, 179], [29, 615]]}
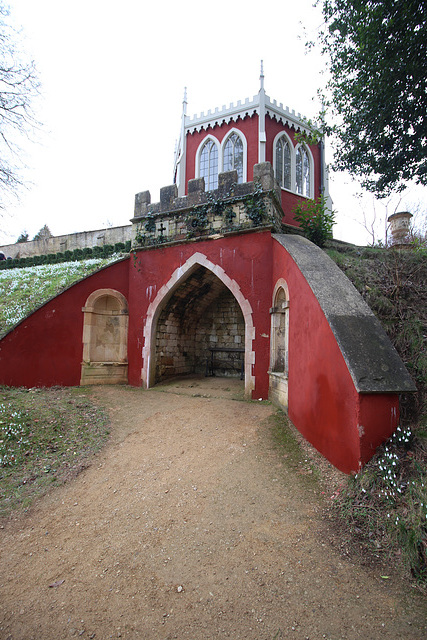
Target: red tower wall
{"points": [[248, 126]]}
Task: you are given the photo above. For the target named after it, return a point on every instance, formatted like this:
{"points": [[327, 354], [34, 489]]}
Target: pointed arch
{"points": [[208, 157], [233, 136], [304, 171], [164, 295], [284, 160]]}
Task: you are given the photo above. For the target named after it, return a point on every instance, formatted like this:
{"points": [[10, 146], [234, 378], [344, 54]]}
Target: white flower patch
{"points": [[23, 290]]}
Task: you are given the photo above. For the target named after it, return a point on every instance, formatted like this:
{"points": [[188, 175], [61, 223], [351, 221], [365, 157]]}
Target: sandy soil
{"points": [[190, 524]]}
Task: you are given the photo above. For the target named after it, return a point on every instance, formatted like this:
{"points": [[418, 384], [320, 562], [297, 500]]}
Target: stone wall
{"points": [[230, 208], [176, 218], [59, 244], [201, 315]]}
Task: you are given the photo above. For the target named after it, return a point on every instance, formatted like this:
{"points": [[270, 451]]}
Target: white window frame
{"points": [[245, 151], [283, 134], [276, 314], [310, 167], [293, 188], [205, 140]]}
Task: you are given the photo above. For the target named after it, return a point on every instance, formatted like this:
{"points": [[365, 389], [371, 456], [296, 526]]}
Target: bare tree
{"points": [[19, 86]]}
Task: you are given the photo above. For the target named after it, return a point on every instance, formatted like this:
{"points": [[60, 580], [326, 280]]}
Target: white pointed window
{"points": [[233, 156], [302, 170], [209, 165], [283, 163]]}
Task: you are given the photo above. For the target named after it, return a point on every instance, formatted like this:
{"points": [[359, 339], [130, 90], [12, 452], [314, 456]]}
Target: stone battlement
{"points": [[229, 208]]}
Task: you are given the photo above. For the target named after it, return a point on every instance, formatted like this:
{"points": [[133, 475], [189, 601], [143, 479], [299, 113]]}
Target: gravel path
{"points": [[190, 524]]}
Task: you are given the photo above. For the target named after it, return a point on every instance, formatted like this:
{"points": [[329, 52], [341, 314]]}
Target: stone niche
{"points": [[105, 339], [279, 346], [200, 330]]}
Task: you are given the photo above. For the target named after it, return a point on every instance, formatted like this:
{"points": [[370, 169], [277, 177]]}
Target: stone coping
{"points": [[372, 361]]}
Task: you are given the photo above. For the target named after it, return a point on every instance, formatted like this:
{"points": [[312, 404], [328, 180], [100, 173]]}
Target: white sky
{"points": [[113, 77]]}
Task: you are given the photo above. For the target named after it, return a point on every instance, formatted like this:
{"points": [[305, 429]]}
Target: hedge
{"points": [[67, 256]]}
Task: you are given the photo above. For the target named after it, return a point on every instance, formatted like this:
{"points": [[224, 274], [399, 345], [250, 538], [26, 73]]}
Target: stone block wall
{"points": [[202, 213], [59, 244], [222, 327], [184, 339]]}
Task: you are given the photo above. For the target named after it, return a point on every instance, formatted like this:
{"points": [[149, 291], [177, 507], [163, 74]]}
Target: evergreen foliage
{"points": [[378, 89], [105, 251], [315, 219]]}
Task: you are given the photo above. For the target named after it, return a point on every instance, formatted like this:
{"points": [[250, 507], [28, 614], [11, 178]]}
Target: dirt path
{"points": [[189, 525]]}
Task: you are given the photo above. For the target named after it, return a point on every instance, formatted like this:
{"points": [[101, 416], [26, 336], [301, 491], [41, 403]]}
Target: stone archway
{"points": [[105, 332], [198, 313]]}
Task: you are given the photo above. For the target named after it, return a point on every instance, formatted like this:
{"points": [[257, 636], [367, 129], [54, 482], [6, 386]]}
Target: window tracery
{"points": [[283, 163], [302, 170], [209, 165], [233, 156]]}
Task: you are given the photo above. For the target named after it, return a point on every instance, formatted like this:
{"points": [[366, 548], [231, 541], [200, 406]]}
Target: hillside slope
{"points": [[24, 290], [383, 510]]}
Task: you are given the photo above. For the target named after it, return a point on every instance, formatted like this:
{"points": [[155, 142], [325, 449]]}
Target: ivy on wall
{"points": [[197, 217]]}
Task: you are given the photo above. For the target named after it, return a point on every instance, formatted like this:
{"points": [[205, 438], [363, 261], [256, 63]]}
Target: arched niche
{"points": [[279, 345], [105, 331]]}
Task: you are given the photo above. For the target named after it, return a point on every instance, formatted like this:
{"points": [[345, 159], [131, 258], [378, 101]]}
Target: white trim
{"points": [[99, 293], [166, 292], [311, 168], [242, 109], [199, 153], [281, 283], [282, 134], [262, 138], [245, 151]]}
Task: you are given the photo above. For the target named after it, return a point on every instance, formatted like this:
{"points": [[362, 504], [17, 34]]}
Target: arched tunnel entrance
{"points": [[200, 329]]}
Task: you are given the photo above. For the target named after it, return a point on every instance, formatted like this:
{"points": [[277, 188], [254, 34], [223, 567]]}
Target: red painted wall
{"points": [[346, 427], [324, 405], [46, 348], [244, 258], [248, 126], [290, 200], [378, 420]]}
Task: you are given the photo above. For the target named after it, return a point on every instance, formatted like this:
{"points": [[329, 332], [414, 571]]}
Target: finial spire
{"points": [[184, 102], [261, 77]]}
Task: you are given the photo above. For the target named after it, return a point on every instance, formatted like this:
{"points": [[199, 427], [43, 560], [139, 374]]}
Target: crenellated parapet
{"points": [[230, 208]]}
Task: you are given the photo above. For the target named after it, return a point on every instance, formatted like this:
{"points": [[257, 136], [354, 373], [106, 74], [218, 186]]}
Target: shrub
{"points": [[315, 219]]}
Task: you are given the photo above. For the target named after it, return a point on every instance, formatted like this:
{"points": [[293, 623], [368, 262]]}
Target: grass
{"points": [[383, 510], [289, 443], [384, 507], [23, 290], [47, 436]]}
